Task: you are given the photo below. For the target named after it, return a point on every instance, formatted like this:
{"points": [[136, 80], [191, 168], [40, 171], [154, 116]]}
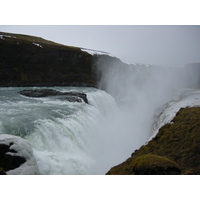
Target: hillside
{"points": [[174, 150], [32, 61]]}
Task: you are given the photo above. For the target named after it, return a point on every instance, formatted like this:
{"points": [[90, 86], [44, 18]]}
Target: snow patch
{"points": [[97, 52], [7, 36], [23, 149], [186, 98], [37, 44], [93, 52], [4, 36]]}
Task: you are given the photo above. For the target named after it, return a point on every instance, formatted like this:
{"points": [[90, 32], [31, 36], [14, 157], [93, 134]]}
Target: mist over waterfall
{"points": [[140, 91]]}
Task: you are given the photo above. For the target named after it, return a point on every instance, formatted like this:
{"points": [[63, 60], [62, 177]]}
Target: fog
{"points": [[165, 45], [141, 93]]}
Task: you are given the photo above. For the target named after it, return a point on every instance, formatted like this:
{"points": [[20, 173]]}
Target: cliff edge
{"points": [[174, 150], [32, 61]]}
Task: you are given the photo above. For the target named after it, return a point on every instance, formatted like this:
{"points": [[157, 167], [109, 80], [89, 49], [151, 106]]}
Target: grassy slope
{"points": [[27, 38], [178, 141]]}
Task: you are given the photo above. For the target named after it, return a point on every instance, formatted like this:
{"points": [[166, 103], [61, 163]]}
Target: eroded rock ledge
{"points": [[33, 61], [16, 156], [69, 96], [174, 150], [9, 162]]}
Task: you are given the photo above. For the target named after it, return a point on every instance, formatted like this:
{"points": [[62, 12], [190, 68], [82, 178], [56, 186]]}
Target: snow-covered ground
{"points": [[4, 36], [185, 98], [23, 149], [93, 52], [38, 45]]}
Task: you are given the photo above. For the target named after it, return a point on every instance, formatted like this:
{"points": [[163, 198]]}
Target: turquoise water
{"points": [[65, 136]]}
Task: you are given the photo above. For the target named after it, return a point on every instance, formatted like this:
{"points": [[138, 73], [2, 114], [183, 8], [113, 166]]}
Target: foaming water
{"points": [[66, 137]]}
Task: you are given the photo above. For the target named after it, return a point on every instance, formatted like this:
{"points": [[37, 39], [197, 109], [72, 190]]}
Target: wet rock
{"points": [[16, 156], [69, 96], [9, 162]]}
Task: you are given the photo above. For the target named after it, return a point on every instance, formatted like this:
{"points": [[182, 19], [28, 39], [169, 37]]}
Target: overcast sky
{"points": [[158, 45]]}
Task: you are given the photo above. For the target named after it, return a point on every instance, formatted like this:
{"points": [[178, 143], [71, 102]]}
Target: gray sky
{"points": [[158, 45]]}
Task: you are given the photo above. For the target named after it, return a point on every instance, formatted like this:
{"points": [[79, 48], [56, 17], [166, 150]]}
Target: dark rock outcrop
{"points": [[175, 149], [9, 162], [69, 96], [16, 156]]}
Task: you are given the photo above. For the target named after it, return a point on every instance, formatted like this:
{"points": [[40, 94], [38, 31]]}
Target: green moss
{"points": [[26, 39], [179, 141], [150, 164]]}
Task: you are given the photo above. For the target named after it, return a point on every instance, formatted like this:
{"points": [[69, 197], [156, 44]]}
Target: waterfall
{"points": [[80, 138]]}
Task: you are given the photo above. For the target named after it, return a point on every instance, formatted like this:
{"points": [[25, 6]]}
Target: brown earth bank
{"points": [[32, 61], [174, 150]]}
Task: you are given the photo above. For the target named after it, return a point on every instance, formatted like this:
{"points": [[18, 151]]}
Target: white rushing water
{"points": [[65, 136], [79, 138]]}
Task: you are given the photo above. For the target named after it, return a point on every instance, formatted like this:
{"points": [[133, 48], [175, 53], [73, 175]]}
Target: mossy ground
{"points": [[27, 39], [178, 141], [152, 164]]}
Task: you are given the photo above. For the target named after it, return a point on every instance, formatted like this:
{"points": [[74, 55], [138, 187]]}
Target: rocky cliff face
{"points": [[33, 61]]}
